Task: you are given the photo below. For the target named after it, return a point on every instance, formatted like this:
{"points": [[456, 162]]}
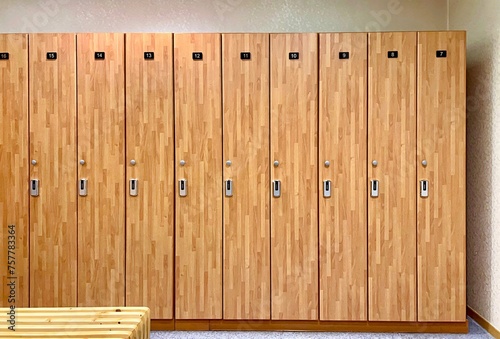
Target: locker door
{"points": [[342, 184], [441, 166], [391, 172], [101, 138], [150, 157], [53, 221], [246, 152], [294, 216], [14, 204], [198, 133]]}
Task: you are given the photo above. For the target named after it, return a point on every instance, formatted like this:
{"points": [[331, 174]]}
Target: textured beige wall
{"points": [[220, 15], [481, 19]]}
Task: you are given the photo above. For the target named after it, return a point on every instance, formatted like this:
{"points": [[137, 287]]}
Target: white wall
{"points": [[220, 15], [481, 19]]}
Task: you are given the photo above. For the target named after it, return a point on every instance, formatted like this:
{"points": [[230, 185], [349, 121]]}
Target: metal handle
{"points": [[82, 188], [229, 188], [34, 187], [133, 187], [424, 188], [183, 187], [327, 188], [374, 188], [276, 188]]}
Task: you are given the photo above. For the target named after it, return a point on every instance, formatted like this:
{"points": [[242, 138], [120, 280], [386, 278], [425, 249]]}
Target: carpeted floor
{"points": [[475, 331]]}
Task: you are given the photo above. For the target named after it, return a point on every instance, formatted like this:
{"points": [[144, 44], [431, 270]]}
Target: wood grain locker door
{"points": [[246, 145], [14, 204], [198, 133], [101, 138], [392, 145], [294, 215], [342, 151], [53, 221], [150, 161], [441, 163]]}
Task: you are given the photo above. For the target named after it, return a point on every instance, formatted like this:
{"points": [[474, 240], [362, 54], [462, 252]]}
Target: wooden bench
{"points": [[77, 322]]}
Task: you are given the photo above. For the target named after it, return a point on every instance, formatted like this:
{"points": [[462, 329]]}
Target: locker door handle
{"points": [[424, 188], [327, 188], [34, 187], [82, 188], [374, 188], [276, 188], [133, 187], [229, 188], [183, 187]]}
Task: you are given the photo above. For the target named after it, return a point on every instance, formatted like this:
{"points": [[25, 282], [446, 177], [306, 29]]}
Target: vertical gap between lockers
{"points": [[28, 228], [125, 167]]}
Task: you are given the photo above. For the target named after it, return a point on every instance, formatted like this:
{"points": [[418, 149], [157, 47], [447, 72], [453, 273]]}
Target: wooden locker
{"points": [[14, 170], [150, 157], [246, 205], [342, 149], [53, 222], [441, 163], [101, 138], [294, 153], [198, 134], [391, 157]]}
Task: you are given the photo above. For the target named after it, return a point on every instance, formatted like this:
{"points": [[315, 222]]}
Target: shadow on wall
{"points": [[480, 158]]}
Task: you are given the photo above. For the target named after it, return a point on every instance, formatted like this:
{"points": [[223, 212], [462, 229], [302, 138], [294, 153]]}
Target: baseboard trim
{"points": [[483, 322], [305, 325]]}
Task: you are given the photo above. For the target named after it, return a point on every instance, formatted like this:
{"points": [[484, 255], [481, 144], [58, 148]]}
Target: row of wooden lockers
{"points": [[107, 108]]}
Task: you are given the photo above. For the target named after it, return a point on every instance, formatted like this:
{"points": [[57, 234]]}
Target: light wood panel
{"points": [[342, 142], [79, 322], [14, 204], [101, 138], [53, 233], [246, 144], [198, 133], [392, 143], [150, 143], [441, 142], [294, 216]]}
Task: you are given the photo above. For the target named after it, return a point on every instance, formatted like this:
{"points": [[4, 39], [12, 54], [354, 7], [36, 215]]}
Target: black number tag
{"points": [[245, 55], [51, 56], [293, 55], [4, 56], [441, 54], [99, 55], [344, 55], [197, 56], [149, 55], [392, 54]]}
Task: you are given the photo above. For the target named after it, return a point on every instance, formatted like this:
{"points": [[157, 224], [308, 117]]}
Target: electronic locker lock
{"points": [[183, 190], [34, 187], [374, 188], [133, 187], [424, 188], [82, 188], [276, 188], [229, 188], [327, 188]]}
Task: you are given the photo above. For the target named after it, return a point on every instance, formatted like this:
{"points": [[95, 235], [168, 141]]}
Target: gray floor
{"points": [[475, 331]]}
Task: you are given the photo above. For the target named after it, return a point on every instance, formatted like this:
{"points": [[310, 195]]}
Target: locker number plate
{"points": [[197, 56], [51, 56], [293, 55], [4, 56], [99, 55], [344, 55], [441, 54], [245, 55], [149, 55], [392, 54]]}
